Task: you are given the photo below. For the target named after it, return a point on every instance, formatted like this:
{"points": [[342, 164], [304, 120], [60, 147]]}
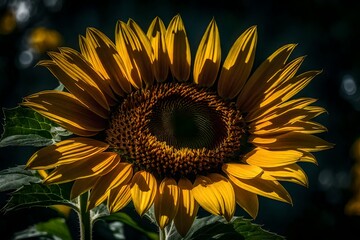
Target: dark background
{"points": [[327, 32]]}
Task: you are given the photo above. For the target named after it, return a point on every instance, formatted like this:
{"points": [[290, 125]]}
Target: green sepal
{"points": [[25, 127]]}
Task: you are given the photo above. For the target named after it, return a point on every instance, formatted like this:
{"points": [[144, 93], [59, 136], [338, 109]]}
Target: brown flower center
{"points": [[176, 130]]}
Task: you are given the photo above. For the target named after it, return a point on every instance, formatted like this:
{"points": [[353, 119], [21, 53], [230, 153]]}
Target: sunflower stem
{"points": [[162, 234], [84, 218]]}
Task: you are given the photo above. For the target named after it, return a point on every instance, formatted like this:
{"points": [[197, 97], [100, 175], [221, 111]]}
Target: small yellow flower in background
{"points": [[352, 207], [7, 23], [153, 129], [43, 39]]}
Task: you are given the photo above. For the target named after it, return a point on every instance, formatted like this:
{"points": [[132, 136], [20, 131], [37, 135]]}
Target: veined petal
{"points": [[102, 53], [119, 197], [160, 60], [73, 115], [240, 170], [166, 202], [65, 152], [237, 66], [247, 200], [208, 57], [266, 188], [296, 109], [143, 191], [308, 157], [291, 173], [78, 78], [283, 93], [121, 174], [215, 194], [265, 158], [96, 165], [127, 44], [257, 82], [82, 185], [187, 209], [178, 49], [291, 140], [142, 55]]}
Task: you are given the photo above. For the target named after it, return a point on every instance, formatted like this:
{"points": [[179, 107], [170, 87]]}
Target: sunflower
{"points": [[151, 129]]}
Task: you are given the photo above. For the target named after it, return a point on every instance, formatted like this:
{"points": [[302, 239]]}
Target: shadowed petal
{"points": [[291, 173], [143, 54], [143, 191], [160, 60], [82, 185], [166, 202], [291, 140], [96, 165], [73, 115], [267, 188], [64, 152], [247, 200], [208, 57], [102, 53], [255, 86], [178, 49], [240, 170], [265, 158], [121, 174], [119, 197], [215, 194], [237, 66], [187, 209]]}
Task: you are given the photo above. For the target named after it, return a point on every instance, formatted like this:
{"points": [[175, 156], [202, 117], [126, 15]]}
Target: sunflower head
{"points": [[152, 129]]}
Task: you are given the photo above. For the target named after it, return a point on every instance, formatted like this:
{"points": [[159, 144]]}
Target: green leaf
{"points": [[215, 227], [16, 177], [39, 195], [53, 229], [25, 127], [126, 219], [252, 231]]}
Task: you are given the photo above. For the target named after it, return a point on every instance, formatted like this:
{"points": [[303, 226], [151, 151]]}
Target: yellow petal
{"points": [[79, 78], [215, 194], [119, 197], [246, 200], [283, 108], [266, 188], [127, 44], [160, 60], [143, 191], [121, 174], [82, 185], [265, 158], [308, 157], [96, 165], [208, 57], [187, 209], [178, 49], [143, 54], [291, 173], [102, 53], [292, 140], [284, 91], [64, 152], [67, 111], [237, 66], [166, 202], [240, 170], [254, 87]]}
